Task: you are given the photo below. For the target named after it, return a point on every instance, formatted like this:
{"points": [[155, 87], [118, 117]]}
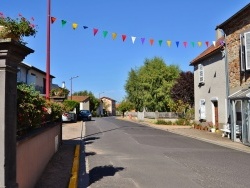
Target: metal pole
{"points": [[71, 85], [48, 52]]}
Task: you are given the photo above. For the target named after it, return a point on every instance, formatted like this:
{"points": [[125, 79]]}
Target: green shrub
{"points": [[180, 122], [161, 122]]}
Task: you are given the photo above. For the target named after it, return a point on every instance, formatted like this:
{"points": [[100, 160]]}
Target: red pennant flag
{"points": [[151, 41], [207, 43], [53, 19], [185, 44], [124, 37], [95, 31]]}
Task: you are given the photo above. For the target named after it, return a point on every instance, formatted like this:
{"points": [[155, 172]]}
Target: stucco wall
{"points": [[34, 153], [214, 87]]}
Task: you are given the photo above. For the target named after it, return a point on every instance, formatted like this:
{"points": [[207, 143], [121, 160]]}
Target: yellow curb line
{"points": [[75, 168]]}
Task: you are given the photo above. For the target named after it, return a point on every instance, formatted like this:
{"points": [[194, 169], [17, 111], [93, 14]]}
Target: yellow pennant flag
{"points": [[114, 35], [169, 43], [199, 44], [74, 25]]}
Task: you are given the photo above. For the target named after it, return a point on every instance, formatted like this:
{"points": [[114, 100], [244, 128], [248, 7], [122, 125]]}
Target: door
{"points": [[216, 114]]}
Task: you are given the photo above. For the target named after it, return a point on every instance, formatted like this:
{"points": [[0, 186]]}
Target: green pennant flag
{"points": [[160, 42], [63, 22], [105, 33], [192, 44]]}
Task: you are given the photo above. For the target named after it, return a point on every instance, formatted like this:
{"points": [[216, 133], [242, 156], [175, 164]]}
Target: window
{"points": [[201, 73], [245, 51], [202, 110]]}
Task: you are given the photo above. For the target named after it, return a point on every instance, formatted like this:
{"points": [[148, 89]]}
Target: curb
{"points": [[75, 169]]}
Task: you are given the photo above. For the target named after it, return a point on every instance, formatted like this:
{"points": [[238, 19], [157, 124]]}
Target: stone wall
{"points": [[238, 25]]}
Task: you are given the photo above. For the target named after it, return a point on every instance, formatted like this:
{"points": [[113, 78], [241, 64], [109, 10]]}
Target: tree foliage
{"points": [[149, 86], [183, 89], [124, 106]]}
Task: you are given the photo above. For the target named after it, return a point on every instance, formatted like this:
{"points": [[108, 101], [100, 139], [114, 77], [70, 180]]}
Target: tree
{"points": [[93, 101], [125, 106], [183, 90], [149, 87]]}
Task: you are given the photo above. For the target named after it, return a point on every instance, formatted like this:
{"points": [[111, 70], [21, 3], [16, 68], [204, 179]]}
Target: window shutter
{"points": [[242, 54], [201, 73], [202, 110], [247, 50]]}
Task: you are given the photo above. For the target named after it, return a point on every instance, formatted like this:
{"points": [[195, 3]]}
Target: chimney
{"points": [[219, 33], [63, 84]]}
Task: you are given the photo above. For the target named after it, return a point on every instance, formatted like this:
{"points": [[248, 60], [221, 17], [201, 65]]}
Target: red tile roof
{"points": [[78, 98], [209, 51]]}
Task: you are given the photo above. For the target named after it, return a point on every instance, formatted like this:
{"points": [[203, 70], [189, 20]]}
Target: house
{"points": [[210, 85], [109, 106], [29, 74], [83, 100], [237, 38], [212, 88]]}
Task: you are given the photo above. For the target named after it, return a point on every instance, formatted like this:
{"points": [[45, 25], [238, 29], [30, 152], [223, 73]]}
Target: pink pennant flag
{"points": [[32, 18], [133, 39], [32, 25], [20, 15], [151, 42], [95, 31], [1, 15], [207, 43], [185, 44], [124, 37]]}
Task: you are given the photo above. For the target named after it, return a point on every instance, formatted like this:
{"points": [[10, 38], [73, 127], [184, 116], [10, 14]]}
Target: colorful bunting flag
{"points": [[142, 40], [160, 42], [169, 43], [133, 39], [214, 43], [32, 18], [53, 19], [95, 31], [151, 42], [199, 44], [105, 33], [207, 43], [85, 27], [185, 44], [20, 15], [64, 22], [177, 43], [124, 37], [114, 35], [74, 25], [192, 43]]}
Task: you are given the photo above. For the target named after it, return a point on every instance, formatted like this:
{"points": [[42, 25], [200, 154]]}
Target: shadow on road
{"points": [[97, 173]]}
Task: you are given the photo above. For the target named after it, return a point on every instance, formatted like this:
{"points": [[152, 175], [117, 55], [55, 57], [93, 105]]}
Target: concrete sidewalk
{"points": [[214, 138]]}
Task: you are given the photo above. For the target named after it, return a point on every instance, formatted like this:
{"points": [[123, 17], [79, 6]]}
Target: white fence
{"points": [[155, 115]]}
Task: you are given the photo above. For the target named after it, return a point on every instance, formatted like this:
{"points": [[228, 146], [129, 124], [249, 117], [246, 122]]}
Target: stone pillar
{"points": [[11, 53]]}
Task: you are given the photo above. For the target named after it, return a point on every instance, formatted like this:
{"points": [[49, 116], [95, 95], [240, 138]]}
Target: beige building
{"points": [[109, 106]]}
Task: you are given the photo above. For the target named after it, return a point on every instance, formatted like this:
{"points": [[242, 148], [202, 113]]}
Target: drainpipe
{"points": [[229, 112]]}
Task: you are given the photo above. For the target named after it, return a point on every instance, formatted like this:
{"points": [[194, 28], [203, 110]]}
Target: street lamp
{"points": [[100, 103], [71, 85]]}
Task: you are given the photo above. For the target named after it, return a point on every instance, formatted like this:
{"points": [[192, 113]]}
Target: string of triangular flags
{"points": [[114, 35]]}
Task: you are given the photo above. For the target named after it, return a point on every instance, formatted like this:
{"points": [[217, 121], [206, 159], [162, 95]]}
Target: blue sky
{"points": [[102, 63]]}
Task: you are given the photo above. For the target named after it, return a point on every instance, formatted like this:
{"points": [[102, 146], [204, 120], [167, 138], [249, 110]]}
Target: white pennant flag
{"points": [[214, 43], [133, 39]]}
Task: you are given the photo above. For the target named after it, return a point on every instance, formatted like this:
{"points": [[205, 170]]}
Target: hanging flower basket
{"points": [[16, 28]]}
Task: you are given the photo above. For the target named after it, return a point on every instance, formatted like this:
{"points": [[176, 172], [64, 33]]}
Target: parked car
{"points": [[84, 115], [69, 117]]}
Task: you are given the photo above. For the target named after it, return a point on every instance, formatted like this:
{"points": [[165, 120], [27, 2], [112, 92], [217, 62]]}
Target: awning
{"points": [[241, 94]]}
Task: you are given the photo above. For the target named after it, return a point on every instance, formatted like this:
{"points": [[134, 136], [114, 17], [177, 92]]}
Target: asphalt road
{"points": [[126, 155]]}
